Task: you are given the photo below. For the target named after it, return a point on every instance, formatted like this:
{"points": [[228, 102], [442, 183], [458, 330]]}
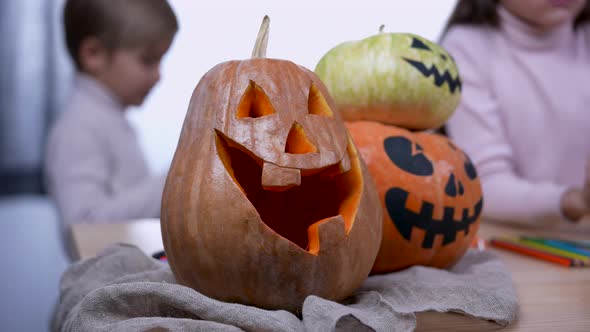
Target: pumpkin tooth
{"points": [[277, 178], [326, 234]]}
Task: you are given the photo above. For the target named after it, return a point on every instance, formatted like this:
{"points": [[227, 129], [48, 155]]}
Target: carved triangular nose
{"points": [[297, 141]]}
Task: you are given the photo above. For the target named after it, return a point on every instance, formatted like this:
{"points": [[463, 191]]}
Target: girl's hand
{"points": [[575, 202]]}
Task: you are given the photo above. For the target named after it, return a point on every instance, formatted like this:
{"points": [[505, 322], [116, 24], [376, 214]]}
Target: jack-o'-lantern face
{"points": [[432, 62], [458, 190], [431, 195], [286, 152], [266, 189]]}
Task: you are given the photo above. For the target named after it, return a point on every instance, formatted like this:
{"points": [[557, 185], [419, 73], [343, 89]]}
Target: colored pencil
{"points": [[585, 244], [521, 249], [578, 243], [564, 244], [553, 250], [559, 245]]}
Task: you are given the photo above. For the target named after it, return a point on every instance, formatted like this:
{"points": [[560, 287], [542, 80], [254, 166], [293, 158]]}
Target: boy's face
{"points": [[130, 73]]}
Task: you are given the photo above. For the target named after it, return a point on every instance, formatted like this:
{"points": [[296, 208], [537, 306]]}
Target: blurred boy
{"points": [[95, 168]]}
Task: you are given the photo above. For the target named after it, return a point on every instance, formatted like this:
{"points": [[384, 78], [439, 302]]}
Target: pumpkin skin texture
{"points": [[430, 192], [267, 200], [395, 78]]}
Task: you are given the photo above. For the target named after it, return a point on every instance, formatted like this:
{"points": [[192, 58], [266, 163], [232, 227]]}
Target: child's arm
{"points": [[79, 175], [477, 128]]}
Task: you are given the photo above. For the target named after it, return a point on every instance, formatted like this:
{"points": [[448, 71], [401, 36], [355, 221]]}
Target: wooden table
{"points": [[89, 239], [551, 297]]}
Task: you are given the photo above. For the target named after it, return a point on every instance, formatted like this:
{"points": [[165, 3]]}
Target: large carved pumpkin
{"points": [[267, 200], [430, 192]]}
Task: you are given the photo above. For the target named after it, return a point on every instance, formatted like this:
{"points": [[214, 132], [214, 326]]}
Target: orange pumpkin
{"points": [[267, 200], [430, 192]]}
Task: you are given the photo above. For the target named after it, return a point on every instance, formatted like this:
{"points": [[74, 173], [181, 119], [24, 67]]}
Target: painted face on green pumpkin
{"points": [[400, 79], [443, 71]]}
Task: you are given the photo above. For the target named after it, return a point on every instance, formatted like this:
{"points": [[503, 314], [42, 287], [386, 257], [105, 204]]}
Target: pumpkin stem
{"points": [[262, 39], [381, 27]]}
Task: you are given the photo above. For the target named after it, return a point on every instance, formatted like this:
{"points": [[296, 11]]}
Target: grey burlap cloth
{"points": [[122, 289]]}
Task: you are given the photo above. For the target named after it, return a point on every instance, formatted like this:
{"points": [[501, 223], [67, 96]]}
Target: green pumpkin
{"points": [[395, 78]]}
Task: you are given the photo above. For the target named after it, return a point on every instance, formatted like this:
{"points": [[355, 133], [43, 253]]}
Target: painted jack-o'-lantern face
{"points": [[430, 192], [433, 63], [395, 78], [267, 200]]}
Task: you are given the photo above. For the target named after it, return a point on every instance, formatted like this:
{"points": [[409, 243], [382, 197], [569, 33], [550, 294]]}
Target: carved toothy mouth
{"points": [[439, 79], [405, 220], [305, 199]]}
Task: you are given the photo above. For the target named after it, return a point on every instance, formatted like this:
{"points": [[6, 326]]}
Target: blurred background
{"points": [[35, 70], [35, 74]]}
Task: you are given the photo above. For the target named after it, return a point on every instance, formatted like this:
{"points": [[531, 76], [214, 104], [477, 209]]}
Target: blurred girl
{"points": [[524, 117]]}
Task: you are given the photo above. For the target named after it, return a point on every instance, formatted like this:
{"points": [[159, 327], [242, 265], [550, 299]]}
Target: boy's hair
{"points": [[483, 12], [117, 23]]}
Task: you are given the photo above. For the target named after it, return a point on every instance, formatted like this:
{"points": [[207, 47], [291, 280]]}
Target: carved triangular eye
{"points": [[317, 104], [254, 103]]}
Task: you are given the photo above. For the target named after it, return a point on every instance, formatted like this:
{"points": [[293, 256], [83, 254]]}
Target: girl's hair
{"points": [[117, 23], [483, 12]]}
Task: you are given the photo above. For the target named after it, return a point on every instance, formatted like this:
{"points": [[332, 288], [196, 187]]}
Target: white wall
{"points": [[301, 31]]}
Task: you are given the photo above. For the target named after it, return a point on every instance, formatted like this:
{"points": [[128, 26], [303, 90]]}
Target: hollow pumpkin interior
{"points": [[322, 194]]}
